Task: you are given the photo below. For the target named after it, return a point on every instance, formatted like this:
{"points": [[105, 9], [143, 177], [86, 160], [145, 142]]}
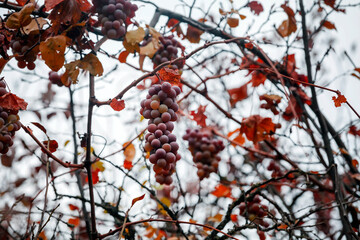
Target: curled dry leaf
{"points": [[21, 18], [117, 105], [12, 102]]}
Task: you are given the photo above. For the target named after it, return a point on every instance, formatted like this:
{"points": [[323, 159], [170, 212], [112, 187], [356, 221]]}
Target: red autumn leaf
{"points": [[272, 102], [249, 46], [328, 25], [67, 12], [234, 217], [137, 199], [74, 221], [95, 176], [233, 22], [117, 105], [50, 4], [52, 146], [12, 102], [330, 3], [172, 22], [221, 191], [289, 63], [257, 128], [261, 235], [355, 163], [170, 75], [257, 78], [199, 116], [41, 127], [339, 100], [354, 131], [73, 207], [255, 7], [237, 94], [128, 165]]}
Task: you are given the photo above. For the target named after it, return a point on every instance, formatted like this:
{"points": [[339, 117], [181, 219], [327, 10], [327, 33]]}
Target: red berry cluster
{"points": [[25, 52], [168, 50], [4, 42], [113, 16], [204, 149], [55, 78], [275, 168], [254, 211], [9, 123], [160, 108]]}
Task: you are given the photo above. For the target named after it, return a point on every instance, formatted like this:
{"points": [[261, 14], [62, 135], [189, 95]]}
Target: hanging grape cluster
{"points": [[4, 42], [168, 50], [25, 51], [254, 211], [9, 123], [113, 15], [204, 149], [160, 108], [55, 78]]}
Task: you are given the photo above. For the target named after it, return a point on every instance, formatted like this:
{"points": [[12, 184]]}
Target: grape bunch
{"points": [[24, 52], [113, 16], [160, 108], [55, 78], [204, 149], [9, 124], [4, 43], [168, 50], [254, 211]]}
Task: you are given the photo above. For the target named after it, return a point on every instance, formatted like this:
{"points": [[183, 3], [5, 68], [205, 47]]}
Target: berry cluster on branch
{"points": [[25, 51], [254, 211], [168, 50], [9, 123], [55, 78], [160, 108], [204, 149], [114, 16]]}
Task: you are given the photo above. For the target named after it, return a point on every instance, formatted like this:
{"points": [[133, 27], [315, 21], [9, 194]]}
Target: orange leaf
{"points": [[74, 221], [221, 191], [21, 18], [237, 94], [283, 226], [216, 218], [257, 128], [117, 105], [42, 236], [137, 199], [288, 26], [257, 78], [52, 51], [129, 151], [234, 217], [339, 100], [239, 139], [52, 146], [73, 207], [92, 64], [355, 163], [193, 34], [255, 7], [233, 22], [170, 75], [12, 102], [199, 116], [328, 25]]}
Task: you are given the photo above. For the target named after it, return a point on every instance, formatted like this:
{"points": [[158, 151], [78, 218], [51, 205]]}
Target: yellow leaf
{"points": [[98, 166], [165, 201], [129, 151], [52, 51], [134, 37], [92, 64], [22, 18], [66, 143]]}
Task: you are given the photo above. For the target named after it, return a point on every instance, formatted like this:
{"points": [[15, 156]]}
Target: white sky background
{"points": [[113, 128]]}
